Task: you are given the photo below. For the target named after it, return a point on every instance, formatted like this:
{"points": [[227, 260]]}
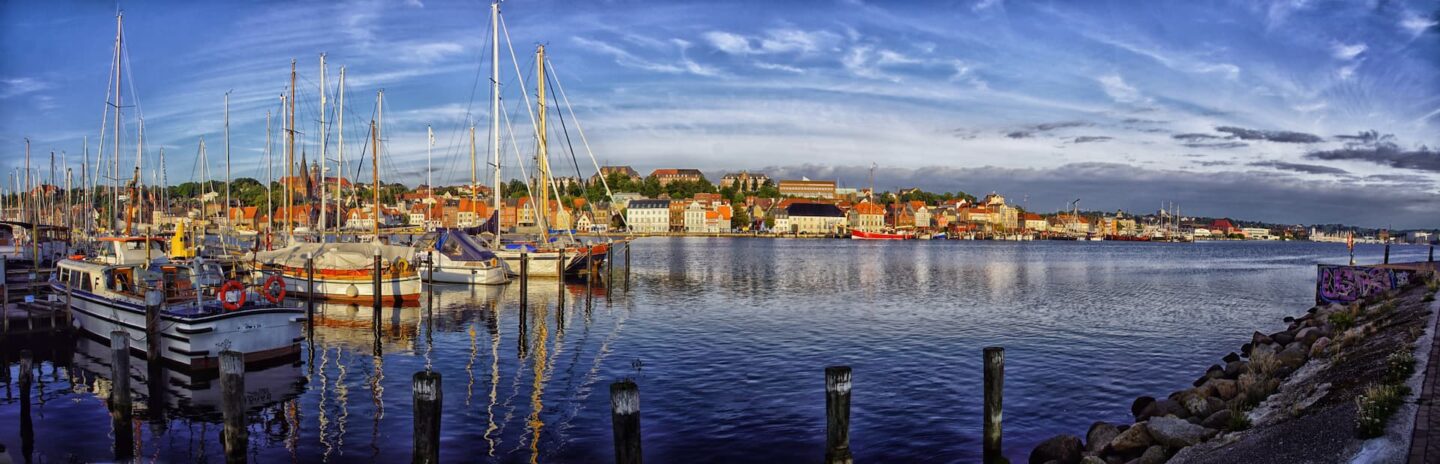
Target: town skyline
{"points": [[1291, 113]]}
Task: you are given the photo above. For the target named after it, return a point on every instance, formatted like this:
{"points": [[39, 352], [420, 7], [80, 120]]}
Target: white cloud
{"points": [[983, 5], [1118, 90], [778, 67], [1345, 52], [16, 86], [630, 60], [1178, 62], [859, 62], [733, 44], [1348, 71], [1415, 24], [429, 52]]}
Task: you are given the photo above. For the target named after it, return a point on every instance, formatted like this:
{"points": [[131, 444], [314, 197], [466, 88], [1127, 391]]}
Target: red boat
{"points": [[863, 235]]}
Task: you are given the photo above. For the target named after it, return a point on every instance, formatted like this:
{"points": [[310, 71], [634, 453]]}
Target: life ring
{"points": [[232, 286], [401, 266], [274, 289]]}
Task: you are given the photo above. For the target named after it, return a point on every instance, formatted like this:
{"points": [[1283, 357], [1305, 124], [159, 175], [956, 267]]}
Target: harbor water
{"points": [[728, 340]]}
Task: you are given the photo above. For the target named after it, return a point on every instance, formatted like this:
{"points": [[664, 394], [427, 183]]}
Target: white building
{"points": [[695, 217], [648, 216], [1257, 233]]}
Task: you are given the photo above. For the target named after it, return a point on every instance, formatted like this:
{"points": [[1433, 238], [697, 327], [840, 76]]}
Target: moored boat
{"points": [[344, 271], [857, 234], [459, 258]]}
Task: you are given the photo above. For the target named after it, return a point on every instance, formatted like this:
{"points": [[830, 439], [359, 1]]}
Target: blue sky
{"points": [[1250, 109]]}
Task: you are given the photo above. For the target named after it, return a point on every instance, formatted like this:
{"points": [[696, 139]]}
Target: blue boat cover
{"points": [[461, 246]]}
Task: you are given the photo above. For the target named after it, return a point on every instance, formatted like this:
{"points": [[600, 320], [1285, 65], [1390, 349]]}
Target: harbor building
{"points": [[805, 188], [648, 216], [666, 176]]}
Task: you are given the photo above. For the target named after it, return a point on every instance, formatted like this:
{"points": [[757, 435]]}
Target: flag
{"points": [[431, 133]]}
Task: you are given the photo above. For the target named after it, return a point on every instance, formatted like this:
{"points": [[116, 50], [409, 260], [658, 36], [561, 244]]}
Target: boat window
{"points": [[85, 282]]}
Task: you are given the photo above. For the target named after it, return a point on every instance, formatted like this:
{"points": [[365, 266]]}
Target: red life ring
{"points": [[274, 289], [232, 286]]}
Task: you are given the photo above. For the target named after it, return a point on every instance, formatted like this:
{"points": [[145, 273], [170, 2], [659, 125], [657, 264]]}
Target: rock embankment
{"points": [[1287, 396]]}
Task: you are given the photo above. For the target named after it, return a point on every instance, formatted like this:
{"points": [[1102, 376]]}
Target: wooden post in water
{"points": [[994, 392], [1432, 253], [232, 398], [1387, 253], [27, 426], [627, 266], [376, 282], [430, 286], [153, 299], [560, 277], [837, 415], [310, 290], [625, 418], [609, 270], [524, 277], [70, 300], [428, 399], [5, 295], [120, 411]]}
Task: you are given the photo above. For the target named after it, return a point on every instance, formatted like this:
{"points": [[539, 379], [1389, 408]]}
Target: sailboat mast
{"points": [[115, 171], [340, 147], [290, 160], [542, 157], [227, 160], [269, 178], [495, 107], [375, 175], [472, 166], [324, 140]]}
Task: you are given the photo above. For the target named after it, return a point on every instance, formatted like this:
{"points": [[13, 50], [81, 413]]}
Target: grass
{"points": [[1433, 285], [1256, 383], [1374, 408], [1238, 420], [1342, 320]]}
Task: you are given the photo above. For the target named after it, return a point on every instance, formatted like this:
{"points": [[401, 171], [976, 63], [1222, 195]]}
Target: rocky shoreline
{"points": [[1314, 392]]}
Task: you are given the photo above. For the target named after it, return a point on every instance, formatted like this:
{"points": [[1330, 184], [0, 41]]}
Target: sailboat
{"points": [[344, 271], [559, 255]]}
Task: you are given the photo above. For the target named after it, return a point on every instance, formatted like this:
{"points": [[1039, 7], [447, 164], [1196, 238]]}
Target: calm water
{"points": [[727, 340]]}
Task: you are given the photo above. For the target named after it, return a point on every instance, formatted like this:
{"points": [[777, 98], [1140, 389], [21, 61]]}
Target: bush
{"points": [[1238, 420], [1374, 408], [1399, 365], [1342, 320]]}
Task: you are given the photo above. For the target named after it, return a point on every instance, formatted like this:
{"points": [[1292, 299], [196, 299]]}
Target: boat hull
{"points": [[357, 288], [864, 235], [457, 273], [194, 343]]}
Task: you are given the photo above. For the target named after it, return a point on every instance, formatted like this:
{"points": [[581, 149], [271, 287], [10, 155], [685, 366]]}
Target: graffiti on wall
{"points": [[1344, 284]]}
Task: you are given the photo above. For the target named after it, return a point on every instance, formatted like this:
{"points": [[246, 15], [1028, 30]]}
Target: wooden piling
{"points": [[560, 278], [120, 402], [430, 286], [70, 301], [994, 392], [153, 300], [1432, 253], [625, 418], [609, 270], [837, 415], [627, 266], [1387, 253], [376, 282], [428, 400], [309, 290], [232, 397], [27, 425], [524, 277]]}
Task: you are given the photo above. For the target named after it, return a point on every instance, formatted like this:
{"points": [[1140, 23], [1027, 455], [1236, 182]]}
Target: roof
{"points": [[815, 209], [650, 204], [866, 207], [676, 172], [817, 183]]}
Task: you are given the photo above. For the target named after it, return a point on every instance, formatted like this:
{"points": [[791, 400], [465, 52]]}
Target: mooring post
{"points": [[560, 277], [27, 425], [70, 300], [1387, 253], [5, 295], [994, 392], [837, 415], [430, 285], [609, 269], [310, 290], [428, 399], [153, 300], [625, 418], [376, 282], [627, 266], [524, 277], [1432, 253], [120, 410], [232, 398]]}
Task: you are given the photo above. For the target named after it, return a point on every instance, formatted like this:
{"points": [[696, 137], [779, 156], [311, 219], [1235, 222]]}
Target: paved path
{"points": [[1425, 443]]}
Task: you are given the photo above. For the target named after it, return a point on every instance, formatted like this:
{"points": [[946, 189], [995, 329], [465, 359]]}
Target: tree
{"points": [[740, 219]]}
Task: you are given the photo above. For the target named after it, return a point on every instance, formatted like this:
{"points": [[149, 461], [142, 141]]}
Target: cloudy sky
{"points": [[1288, 111]]}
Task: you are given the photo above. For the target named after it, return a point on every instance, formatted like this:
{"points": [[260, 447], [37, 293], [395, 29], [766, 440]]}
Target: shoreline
{"points": [[1307, 393]]}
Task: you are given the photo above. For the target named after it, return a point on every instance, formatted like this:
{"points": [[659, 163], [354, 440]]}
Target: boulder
{"points": [[1292, 357], [1064, 449], [1196, 405], [1267, 349], [1319, 347], [1100, 435], [1233, 369], [1260, 339], [1176, 433], [1163, 407], [1223, 388], [1153, 455], [1219, 420], [1283, 338], [1245, 349], [1230, 358], [1216, 404], [1288, 319], [1308, 335], [1137, 437], [1215, 371], [1140, 404], [1092, 460]]}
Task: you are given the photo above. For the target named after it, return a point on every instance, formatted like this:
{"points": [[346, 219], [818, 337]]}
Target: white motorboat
{"points": [[459, 259]]}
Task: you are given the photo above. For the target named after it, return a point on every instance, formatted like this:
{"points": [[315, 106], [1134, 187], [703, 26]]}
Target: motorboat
{"points": [[457, 257]]}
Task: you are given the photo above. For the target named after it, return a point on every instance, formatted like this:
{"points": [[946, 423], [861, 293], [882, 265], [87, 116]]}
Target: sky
{"points": [[1291, 111]]}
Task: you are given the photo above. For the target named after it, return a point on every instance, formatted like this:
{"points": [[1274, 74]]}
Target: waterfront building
{"points": [[623, 199], [921, 212], [648, 215], [806, 188], [695, 217], [867, 216], [744, 181], [1034, 222], [1223, 227], [626, 171], [244, 217], [666, 176], [1257, 233], [815, 218]]}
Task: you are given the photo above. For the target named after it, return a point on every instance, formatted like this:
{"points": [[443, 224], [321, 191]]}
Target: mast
{"points": [[429, 172], [472, 166], [269, 178], [290, 160], [375, 170], [324, 140], [115, 171], [340, 164], [227, 160], [542, 157], [84, 181], [495, 110]]}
